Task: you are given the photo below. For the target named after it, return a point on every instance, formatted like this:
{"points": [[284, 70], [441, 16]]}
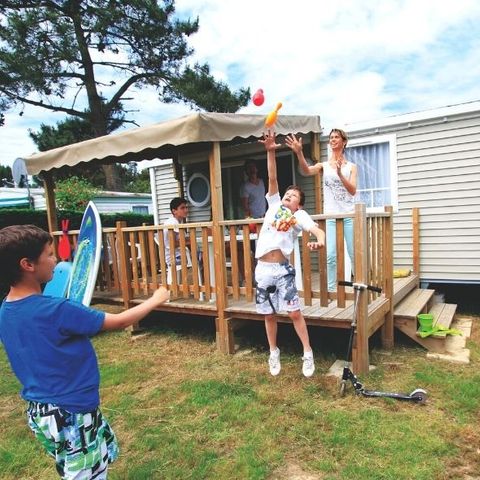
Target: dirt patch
{"points": [[293, 471]]}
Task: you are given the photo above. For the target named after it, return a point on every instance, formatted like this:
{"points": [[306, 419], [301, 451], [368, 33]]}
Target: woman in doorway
{"points": [[339, 189]]}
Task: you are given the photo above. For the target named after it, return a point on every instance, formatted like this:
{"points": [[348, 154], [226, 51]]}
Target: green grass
{"points": [[183, 411]]}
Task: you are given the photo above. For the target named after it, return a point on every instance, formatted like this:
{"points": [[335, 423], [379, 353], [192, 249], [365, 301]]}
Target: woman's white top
{"points": [[336, 198]]}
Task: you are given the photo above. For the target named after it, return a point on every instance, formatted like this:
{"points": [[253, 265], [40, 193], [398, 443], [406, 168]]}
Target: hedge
{"points": [[25, 216]]}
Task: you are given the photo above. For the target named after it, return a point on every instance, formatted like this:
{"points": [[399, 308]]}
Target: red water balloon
{"points": [[258, 97]]}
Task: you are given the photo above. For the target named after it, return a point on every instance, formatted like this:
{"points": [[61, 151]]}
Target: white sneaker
{"points": [[308, 365], [274, 362]]}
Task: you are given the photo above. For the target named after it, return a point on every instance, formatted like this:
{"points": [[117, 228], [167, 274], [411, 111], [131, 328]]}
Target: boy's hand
{"points": [[161, 295], [269, 141], [315, 245], [294, 143]]}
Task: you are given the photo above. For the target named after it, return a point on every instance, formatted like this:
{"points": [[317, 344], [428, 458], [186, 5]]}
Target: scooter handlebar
{"points": [[361, 286]]}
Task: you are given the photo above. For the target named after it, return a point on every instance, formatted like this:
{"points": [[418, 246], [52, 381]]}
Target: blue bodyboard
{"points": [[86, 258], [57, 286]]}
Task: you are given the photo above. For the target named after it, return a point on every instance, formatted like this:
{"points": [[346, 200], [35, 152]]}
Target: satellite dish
{"points": [[19, 172]]}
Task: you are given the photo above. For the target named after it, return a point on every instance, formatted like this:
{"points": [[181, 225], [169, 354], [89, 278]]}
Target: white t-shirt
{"points": [[171, 221], [270, 238], [336, 198], [255, 195]]}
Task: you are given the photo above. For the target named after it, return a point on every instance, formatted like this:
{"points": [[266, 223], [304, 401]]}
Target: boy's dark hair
{"points": [[17, 242], [300, 191], [176, 202]]}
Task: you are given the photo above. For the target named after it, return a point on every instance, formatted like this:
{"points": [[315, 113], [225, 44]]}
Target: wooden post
{"points": [[315, 155], [247, 263], [224, 338], [124, 264], [49, 186], [360, 355], [416, 240], [387, 328], [340, 247], [306, 269], [322, 262]]}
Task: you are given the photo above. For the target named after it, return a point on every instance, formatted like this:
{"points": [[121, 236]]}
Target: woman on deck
{"points": [[339, 189]]}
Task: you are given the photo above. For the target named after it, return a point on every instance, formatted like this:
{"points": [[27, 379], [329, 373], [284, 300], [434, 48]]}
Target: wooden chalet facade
{"points": [[135, 264]]}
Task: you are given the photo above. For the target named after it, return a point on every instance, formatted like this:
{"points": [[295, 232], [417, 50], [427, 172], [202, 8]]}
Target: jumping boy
{"points": [[47, 343], [275, 277]]}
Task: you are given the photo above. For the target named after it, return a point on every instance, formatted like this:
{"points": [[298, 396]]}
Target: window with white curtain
{"points": [[376, 160]]}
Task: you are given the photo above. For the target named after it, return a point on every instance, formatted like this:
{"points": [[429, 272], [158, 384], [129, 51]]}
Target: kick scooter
{"points": [[417, 396]]}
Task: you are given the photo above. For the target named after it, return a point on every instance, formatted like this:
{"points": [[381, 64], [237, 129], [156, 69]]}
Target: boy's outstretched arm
{"points": [[320, 234], [270, 146], [114, 321]]}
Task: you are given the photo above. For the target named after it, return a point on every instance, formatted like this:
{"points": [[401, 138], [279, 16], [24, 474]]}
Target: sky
{"points": [[349, 61]]}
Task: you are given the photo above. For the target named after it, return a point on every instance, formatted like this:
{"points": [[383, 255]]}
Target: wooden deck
{"points": [[315, 314], [137, 266]]}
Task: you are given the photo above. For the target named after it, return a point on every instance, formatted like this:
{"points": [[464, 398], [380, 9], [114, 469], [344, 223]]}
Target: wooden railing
{"points": [[133, 260], [216, 265]]}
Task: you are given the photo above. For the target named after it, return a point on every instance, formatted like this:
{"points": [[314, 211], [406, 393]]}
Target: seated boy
{"points": [[274, 276], [47, 343]]}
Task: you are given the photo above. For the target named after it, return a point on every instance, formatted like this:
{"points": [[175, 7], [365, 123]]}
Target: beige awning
{"points": [[163, 139]]}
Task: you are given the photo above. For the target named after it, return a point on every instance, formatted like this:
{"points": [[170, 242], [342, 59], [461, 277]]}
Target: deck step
{"points": [[419, 301], [443, 314], [414, 303]]}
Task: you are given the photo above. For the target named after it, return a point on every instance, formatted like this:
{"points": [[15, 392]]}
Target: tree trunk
{"points": [[112, 178]]}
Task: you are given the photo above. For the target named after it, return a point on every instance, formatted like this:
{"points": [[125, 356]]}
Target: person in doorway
{"points": [[339, 189], [252, 195], [252, 192], [47, 341], [275, 277]]}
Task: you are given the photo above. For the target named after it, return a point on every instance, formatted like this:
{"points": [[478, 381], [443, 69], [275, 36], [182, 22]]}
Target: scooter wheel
{"points": [[419, 395], [343, 387]]}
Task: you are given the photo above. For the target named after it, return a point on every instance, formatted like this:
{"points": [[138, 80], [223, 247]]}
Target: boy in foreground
{"points": [[47, 343], [275, 277]]}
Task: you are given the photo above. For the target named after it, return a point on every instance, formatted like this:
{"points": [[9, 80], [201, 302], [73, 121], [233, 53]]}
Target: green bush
{"points": [[74, 193], [18, 216]]}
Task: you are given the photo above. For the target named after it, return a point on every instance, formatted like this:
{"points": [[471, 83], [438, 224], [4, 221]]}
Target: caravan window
{"points": [[140, 209], [376, 159]]}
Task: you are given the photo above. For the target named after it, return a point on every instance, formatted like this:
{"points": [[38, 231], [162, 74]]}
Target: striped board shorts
{"points": [[83, 444]]}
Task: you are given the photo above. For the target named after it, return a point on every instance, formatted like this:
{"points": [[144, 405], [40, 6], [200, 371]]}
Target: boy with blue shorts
{"points": [[274, 276], [47, 343]]}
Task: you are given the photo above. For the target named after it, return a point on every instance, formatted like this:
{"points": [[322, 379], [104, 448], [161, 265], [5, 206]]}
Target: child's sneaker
{"points": [[274, 362], [308, 365]]}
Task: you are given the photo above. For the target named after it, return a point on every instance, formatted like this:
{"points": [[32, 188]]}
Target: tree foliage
{"points": [[74, 193], [5, 176], [133, 180], [68, 131], [67, 54]]}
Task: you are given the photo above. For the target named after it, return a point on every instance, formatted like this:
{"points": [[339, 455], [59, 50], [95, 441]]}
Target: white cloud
{"points": [[346, 61]]}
